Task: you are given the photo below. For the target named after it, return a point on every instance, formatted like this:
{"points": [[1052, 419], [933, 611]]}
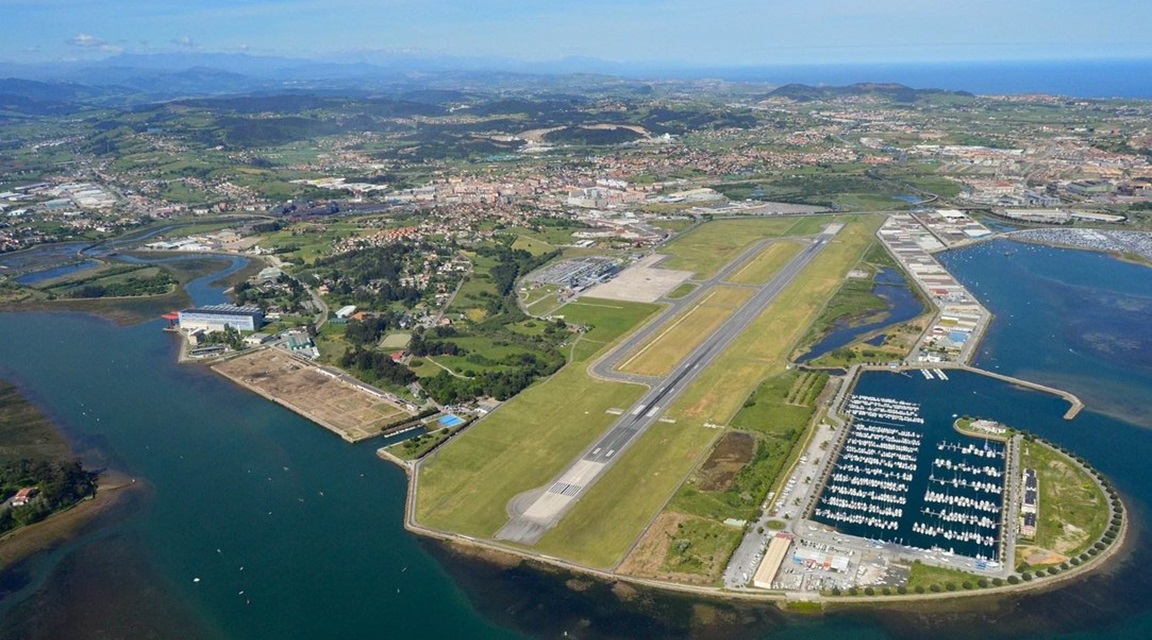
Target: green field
{"points": [[605, 521], [935, 579], [398, 340], [762, 350], [675, 225], [606, 320], [420, 444], [532, 245], [701, 547], [761, 268], [684, 332], [465, 486], [1074, 512], [778, 413], [707, 248], [680, 291]]}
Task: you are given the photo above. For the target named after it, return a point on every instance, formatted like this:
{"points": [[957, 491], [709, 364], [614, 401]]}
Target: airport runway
{"points": [[606, 366], [540, 510]]}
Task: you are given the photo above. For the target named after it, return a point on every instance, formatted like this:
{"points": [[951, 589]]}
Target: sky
{"points": [[698, 33]]}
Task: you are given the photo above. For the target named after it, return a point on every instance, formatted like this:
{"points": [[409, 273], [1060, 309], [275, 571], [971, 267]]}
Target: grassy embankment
{"points": [[465, 486], [604, 523], [680, 291]]}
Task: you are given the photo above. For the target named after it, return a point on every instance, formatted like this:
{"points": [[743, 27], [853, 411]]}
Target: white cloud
{"points": [[185, 41], [86, 41]]}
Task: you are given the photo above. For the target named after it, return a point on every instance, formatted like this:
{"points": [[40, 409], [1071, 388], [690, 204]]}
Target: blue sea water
{"points": [[1121, 78], [234, 481]]}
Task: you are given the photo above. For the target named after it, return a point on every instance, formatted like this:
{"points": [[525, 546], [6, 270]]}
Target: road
{"points": [[537, 511]]}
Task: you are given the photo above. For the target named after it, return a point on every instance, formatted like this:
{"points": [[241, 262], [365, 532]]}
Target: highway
{"points": [[534, 512]]}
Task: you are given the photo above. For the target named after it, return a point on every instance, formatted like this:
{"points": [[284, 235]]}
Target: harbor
{"points": [[902, 479]]}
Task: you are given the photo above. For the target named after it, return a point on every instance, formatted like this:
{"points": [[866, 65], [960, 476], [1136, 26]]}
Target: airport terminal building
{"points": [[218, 316]]}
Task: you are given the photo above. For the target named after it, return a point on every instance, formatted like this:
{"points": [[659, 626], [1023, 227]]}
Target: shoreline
{"points": [[485, 549], [19, 544]]}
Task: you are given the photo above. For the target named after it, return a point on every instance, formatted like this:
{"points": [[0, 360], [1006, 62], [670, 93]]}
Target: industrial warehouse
{"points": [[217, 317]]}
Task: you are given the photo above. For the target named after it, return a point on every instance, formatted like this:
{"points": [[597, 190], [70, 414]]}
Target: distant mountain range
{"points": [[892, 91], [127, 79], [130, 79]]}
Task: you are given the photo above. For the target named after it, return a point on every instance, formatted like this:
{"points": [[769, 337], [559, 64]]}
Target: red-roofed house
{"points": [[24, 496]]}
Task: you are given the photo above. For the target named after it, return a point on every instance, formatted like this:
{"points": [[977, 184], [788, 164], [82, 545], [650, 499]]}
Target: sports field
{"points": [[684, 332], [465, 486]]}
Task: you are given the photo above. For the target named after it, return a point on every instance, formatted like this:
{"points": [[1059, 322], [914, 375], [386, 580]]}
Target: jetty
{"points": [[1076, 404]]}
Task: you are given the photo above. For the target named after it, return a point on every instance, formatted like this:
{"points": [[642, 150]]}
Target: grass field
{"points": [[680, 291], [602, 526], [684, 332], [707, 248], [702, 547], [606, 320], [676, 225], [928, 578], [465, 486], [1074, 511], [532, 245], [761, 268], [762, 350]]}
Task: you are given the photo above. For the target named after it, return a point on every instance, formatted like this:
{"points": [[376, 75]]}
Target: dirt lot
{"points": [[647, 558], [351, 412], [732, 452], [654, 556]]}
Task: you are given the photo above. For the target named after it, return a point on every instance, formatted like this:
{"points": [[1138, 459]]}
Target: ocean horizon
{"points": [[1104, 78]]}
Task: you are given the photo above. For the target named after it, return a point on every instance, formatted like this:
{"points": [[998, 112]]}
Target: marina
{"points": [[899, 478]]}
